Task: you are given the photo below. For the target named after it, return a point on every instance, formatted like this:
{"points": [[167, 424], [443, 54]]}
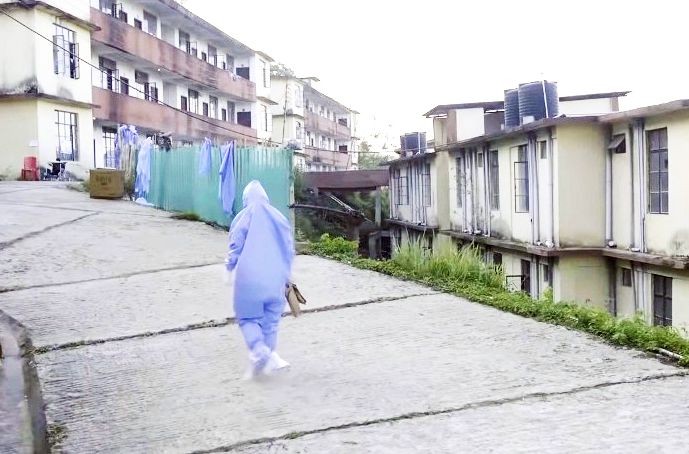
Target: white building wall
{"points": [[586, 107]]}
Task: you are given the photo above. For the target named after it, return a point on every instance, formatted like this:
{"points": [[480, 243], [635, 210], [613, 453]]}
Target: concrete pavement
{"points": [[139, 352]]}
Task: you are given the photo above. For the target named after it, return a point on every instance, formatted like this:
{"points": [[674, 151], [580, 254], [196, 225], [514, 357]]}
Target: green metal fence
{"points": [[176, 184]]}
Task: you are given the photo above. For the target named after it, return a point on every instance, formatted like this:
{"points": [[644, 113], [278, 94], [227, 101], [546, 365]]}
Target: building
{"points": [[159, 68], [321, 130], [591, 204], [46, 104]]}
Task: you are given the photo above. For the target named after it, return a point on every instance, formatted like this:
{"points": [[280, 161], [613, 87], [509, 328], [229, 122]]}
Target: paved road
{"points": [[141, 354]]}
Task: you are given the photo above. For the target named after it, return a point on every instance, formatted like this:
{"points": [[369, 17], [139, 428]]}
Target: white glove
{"points": [[227, 276]]}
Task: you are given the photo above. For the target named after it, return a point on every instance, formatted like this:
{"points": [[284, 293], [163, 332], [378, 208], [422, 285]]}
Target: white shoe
{"points": [[275, 364]]}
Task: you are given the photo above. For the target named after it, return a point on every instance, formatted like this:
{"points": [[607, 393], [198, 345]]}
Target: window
{"points": [[460, 181], [183, 104], [494, 178], [65, 52], [521, 182], [244, 73], [546, 273], [658, 172], [124, 85], [497, 259], [266, 74], [230, 112], [108, 73], [401, 188], [426, 184], [185, 41], [204, 56], [617, 144], [265, 118], [212, 55], [109, 135], [67, 138], [214, 107], [193, 101], [626, 277], [526, 276], [662, 300], [479, 159], [298, 97], [138, 24], [151, 23], [223, 114], [244, 119], [205, 109], [543, 149]]}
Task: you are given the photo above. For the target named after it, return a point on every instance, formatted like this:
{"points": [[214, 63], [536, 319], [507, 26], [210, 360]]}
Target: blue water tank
{"points": [[414, 142], [538, 100], [512, 108]]}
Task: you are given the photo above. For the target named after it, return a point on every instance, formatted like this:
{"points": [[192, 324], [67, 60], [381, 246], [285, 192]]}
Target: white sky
{"points": [[394, 60]]}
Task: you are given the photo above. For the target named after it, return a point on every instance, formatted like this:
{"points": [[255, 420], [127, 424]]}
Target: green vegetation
{"points": [[187, 216], [464, 273]]}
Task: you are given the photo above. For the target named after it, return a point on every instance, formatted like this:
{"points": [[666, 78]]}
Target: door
{"points": [[244, 119], [526, 276]]}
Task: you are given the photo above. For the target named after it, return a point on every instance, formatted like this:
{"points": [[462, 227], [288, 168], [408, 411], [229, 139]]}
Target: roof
{"points": [[611, 94], [442, 109], [416, 157], [498, 105], [533, 126], [59, 13], [658, 109], [308, 89], [172, 4], [265, 56]]}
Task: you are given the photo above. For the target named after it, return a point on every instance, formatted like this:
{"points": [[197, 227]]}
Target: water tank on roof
{"points": [[538, 100], [512, 108], [414, 142]]}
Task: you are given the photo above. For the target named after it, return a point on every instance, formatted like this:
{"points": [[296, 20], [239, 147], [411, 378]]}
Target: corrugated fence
{"points": [[176, 184]]}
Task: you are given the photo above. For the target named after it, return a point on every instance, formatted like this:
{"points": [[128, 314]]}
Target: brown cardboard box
{"points": [[106, 184]]}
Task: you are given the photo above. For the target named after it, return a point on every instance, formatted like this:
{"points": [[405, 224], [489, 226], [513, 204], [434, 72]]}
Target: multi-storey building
{"points": [[320, 129], [159, 68], [584, 204]]}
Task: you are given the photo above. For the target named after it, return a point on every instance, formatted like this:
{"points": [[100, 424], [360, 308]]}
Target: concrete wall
{"points": [[414, 211], [20, 131], [588, 107], [580, 184], [48, 137], [583, 280]]}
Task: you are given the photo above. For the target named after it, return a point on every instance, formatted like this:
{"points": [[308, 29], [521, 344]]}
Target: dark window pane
{"points": [[664, 181], [664, 202], [653, 140], [662, 138], [663, 160], [654, 182], [655, 162], [655, 202], [658, 285]]}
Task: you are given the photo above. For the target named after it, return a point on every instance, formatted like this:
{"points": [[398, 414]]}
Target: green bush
{"points": [[464, 273], [334, 247]]}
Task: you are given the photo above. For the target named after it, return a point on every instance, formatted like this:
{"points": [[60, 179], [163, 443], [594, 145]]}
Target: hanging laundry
{"points": [[143, 169], [226, 191], [126, 136], [205, 158]]}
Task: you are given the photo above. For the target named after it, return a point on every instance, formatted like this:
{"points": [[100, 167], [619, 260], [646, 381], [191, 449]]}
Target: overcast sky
{"points": [[394, 60]]}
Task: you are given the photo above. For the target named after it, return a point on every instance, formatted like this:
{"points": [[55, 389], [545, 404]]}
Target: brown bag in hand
{"points": [[294, 299]]}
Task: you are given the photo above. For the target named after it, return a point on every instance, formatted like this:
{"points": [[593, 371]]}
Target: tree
{"points": [[369, 159]]}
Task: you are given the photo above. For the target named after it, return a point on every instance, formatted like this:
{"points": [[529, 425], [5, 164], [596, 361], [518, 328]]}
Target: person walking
{"points": [[260, 256]]}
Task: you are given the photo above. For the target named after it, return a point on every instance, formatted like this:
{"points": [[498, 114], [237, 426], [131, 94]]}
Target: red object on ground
{"points": [[30, 170]]}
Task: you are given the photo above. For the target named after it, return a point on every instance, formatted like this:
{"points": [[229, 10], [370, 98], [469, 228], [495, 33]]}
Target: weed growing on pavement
{"points": [[187, 216], [464, 273]]}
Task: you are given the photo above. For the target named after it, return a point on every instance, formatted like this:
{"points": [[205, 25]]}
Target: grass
{"points": [[464, 273]]}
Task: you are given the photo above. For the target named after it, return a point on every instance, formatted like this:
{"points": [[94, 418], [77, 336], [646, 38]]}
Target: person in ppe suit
{"points": [[260, 257]]}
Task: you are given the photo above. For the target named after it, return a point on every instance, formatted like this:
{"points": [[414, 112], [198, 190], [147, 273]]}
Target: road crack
{"points": [[451, 410]]}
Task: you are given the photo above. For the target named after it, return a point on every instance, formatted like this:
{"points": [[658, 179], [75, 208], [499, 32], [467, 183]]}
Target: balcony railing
{"points": [[125, 109], [315, 122], [119, 35]]}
